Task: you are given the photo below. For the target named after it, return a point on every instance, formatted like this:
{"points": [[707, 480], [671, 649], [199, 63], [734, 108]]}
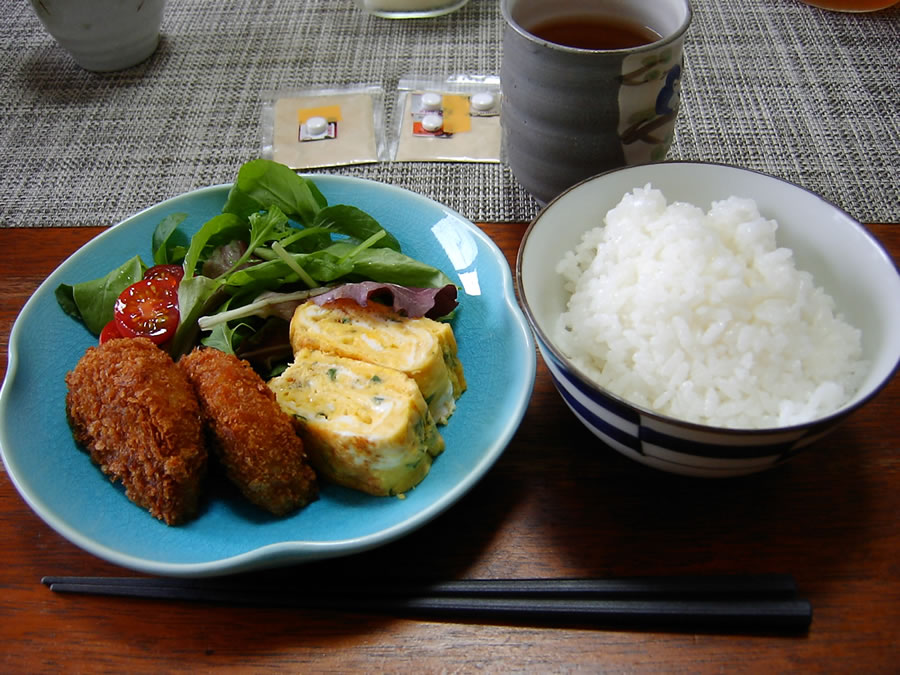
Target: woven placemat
{"points": [[807, 95]]}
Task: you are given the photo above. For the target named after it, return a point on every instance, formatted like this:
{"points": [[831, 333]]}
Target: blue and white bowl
{"points": [[841, 254]]}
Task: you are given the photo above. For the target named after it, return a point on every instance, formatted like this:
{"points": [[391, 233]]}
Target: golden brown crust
{"points": [[254, 439], [136, 414]]}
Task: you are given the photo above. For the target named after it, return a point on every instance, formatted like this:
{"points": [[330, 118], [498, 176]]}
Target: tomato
{"points": [[169, 273], [110, 332], [148, 308]]}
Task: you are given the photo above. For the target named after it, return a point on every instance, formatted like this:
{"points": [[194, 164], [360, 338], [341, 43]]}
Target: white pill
{"points": [[316, 125], [431, 101], [432, 122], [483, 101]]}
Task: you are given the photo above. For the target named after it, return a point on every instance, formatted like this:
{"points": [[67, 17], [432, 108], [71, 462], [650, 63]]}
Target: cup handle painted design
{"points": [[649, 97], [651, 68]]}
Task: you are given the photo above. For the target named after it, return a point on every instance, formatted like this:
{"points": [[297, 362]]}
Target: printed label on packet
{"points": [[318, 124], [440, 115]]}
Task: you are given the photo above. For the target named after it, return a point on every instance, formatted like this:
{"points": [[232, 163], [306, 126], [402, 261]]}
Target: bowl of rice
{"points": [[708, 320]]}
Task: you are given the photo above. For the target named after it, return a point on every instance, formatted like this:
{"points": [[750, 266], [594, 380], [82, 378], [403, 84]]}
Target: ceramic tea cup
{"points": [[103, 35], [588, 86]]}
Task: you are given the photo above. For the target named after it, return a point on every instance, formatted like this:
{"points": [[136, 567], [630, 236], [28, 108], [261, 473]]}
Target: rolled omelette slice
{"points": [[364, 426], [422, 348]]}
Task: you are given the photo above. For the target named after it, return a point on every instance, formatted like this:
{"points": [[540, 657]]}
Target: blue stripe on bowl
{"points": [[708, 465], [566, 383], [721, 451], [812, 435], [560, 372], [598, 423]]}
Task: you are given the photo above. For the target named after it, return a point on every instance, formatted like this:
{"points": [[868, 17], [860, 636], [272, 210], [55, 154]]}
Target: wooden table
{"points": [[556, 504]]}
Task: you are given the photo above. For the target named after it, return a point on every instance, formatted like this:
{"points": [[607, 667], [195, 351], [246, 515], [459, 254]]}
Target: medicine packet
{"points": [[456, 118], [317, 128]]}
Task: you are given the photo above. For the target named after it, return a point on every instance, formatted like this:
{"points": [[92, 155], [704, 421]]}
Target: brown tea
{"points": [[594, 32]]}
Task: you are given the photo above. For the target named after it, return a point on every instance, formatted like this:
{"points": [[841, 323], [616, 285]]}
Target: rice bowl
{"points": [[849, 265]]}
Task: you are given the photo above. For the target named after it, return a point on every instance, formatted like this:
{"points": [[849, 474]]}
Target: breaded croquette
{"points": [[254, 439], [136, 414]]}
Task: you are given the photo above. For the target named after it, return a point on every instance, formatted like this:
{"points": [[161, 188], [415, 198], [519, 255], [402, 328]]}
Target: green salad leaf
{"points": [[92, 302], [276, 233], [262, 184], [389, 266], [165, 252], [354, 223], [225, 222]]}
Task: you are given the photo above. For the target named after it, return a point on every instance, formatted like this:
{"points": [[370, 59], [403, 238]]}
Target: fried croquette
{"points": [[135, 412], [249, 433]]}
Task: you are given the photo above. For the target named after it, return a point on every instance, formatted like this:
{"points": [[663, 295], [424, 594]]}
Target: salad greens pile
{"points": [[276, 243]]}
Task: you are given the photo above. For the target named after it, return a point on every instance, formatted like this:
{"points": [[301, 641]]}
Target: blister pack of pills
{"points": [[452, 119], [316, 128]]}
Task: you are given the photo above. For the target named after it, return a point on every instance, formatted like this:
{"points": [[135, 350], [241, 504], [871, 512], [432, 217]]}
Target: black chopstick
{"points": [[724, 603], [758, 585]]}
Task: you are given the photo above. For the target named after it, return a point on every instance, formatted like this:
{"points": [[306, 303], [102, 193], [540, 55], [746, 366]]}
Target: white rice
{"points": [[702, 317]]}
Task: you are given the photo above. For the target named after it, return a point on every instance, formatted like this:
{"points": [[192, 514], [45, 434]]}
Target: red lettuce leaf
{"points": [[412, 302]]}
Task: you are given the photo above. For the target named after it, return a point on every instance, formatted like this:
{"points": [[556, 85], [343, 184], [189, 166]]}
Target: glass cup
{"points": [[409, 9]]}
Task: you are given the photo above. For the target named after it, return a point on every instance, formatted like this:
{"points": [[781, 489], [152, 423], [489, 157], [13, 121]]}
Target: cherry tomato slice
{"points": [[110, 332], [148, 308], [169, 273]]}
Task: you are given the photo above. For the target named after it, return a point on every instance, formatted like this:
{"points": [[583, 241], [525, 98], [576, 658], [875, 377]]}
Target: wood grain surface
{"points": [[557, 503]]}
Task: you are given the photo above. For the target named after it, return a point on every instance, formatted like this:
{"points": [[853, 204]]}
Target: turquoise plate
{"points": [[70, 494]]}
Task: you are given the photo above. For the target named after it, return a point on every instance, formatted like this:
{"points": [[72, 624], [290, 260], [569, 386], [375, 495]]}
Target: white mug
{"points": [[103, 35]]}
